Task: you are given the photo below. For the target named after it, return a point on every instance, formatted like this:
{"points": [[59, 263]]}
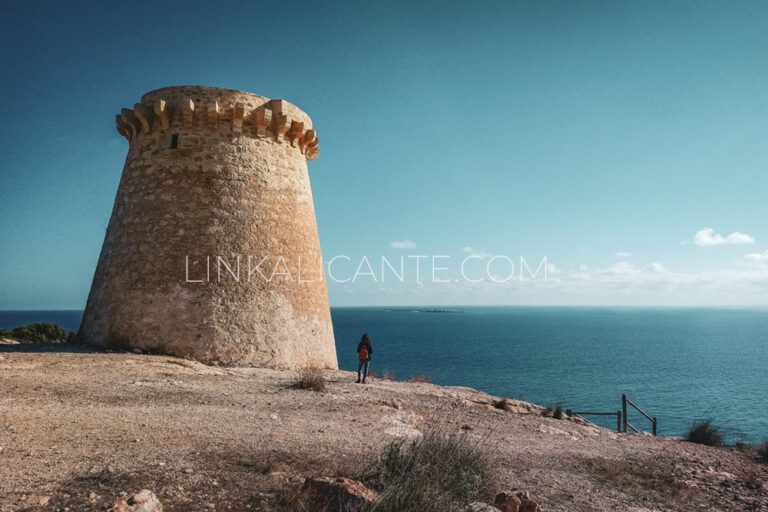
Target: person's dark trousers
{"points": [[363, 366]]}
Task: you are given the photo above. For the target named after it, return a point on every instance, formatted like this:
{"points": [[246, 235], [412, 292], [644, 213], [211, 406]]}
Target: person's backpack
{"points": [[363, 353]]}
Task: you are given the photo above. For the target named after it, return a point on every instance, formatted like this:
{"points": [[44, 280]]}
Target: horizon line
{"points": [[439, 306]]}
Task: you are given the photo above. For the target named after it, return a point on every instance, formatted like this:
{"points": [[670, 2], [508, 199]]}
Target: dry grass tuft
{"points": [[382, 376], [556, 413], [421, 378], [704, 433], [436, 473], [504, 404], [762, 451], [311, 377]]}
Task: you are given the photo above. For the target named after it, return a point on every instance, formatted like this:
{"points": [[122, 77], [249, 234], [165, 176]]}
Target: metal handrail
{"points": [[624, 402], [622, 414], [581, 414]]}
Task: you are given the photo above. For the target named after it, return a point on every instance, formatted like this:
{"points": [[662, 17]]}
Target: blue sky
{"points": [[601, 135]]}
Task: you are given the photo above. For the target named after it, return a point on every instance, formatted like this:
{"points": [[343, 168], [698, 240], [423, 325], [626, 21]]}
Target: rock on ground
{"points": [[143, 501], [515, 501]]}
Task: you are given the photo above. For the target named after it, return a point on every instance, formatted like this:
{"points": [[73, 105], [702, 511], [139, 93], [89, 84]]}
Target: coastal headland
{"points": [[80, 427]]}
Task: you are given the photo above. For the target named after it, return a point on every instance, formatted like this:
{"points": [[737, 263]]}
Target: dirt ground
{"points": [[78, 428]]}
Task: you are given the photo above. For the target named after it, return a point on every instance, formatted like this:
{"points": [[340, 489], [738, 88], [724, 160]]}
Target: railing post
{"points": [[624, 410], [654, 425], [618, 421]]}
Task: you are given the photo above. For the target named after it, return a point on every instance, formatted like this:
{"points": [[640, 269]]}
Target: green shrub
{"points": [[44, 332], [5, 334], [704, 433], [437, 473]]}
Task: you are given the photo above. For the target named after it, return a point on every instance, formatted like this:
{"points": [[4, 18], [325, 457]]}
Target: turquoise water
{"points": [[679, 364]]}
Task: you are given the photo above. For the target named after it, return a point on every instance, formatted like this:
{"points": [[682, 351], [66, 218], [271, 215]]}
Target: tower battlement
{"points": [[211, 109]]}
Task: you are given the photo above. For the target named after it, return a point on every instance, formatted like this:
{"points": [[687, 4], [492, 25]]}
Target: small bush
{"points": [[504, 404], [421, 378], [704, 433], [5, 334], [556, 413], [437, 473], [72, 338], [762, 451], [311, 377], [382, 375]]}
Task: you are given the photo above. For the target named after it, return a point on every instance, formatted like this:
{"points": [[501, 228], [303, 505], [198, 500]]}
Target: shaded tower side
{"points": [[212, 250]]}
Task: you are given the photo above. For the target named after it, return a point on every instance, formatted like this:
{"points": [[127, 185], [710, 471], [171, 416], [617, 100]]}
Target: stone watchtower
{"points": [[212, 249]]}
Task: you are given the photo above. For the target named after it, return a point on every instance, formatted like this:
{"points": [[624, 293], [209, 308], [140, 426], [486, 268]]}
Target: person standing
{"points": [[364, 353]]}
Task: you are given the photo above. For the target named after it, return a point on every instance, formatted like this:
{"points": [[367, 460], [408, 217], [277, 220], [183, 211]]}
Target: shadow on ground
{"points": [[47, 348], [228, 480]]}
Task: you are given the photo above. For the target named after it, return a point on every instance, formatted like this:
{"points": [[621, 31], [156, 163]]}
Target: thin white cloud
{"points": [[744, 282], [473, 252], [750, 272], [759, 258], [707, 237], [403, 244], [623, 254]]}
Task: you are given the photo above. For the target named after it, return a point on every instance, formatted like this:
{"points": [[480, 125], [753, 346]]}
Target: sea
{"points": [[680, 365]]}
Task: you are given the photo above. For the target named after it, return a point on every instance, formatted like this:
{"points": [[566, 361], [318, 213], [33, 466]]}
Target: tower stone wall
{"points": [[212, 250]]}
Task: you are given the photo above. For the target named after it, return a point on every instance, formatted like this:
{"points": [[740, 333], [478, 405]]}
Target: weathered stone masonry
{"points": [[214, 173]]}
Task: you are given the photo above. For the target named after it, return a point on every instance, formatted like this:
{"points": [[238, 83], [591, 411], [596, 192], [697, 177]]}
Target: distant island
{"points": [[419, 310]]}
